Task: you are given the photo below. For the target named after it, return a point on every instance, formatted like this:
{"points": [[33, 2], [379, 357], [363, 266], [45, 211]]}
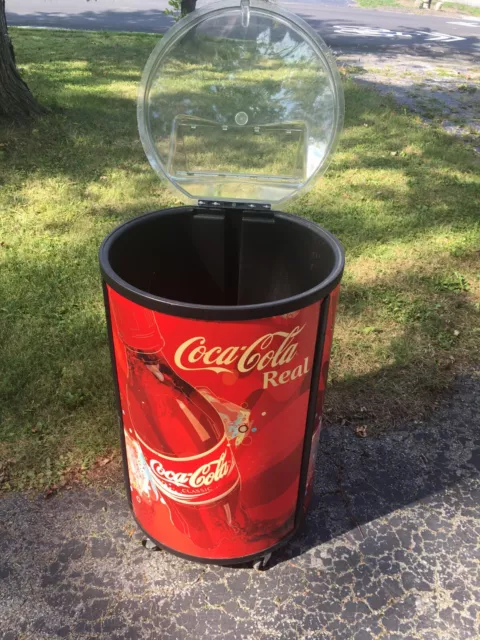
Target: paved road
{"points": [[390, 549], [342, 26]]}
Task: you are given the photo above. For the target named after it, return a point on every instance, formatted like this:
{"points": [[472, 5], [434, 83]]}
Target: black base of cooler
{"points": [[221, 561]]}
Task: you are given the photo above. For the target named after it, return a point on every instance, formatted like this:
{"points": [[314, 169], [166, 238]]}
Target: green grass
{"points": [[409, 4], [402, 197], [462, 8], [372, 4]]}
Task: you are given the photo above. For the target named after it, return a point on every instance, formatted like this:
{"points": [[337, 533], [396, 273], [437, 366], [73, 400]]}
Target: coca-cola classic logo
{"points": [[195, 355], [211, 478]]}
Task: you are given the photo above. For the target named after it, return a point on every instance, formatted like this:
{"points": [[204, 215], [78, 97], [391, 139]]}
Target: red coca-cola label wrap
{"points": [[214, 415], [322, 385]]}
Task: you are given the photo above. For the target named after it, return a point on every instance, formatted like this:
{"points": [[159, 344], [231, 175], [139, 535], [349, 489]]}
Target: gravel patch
{"points": [[441, 91]]}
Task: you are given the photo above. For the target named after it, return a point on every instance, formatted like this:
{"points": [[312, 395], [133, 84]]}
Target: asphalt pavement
{"points": [[389, 550], [342, 25]]}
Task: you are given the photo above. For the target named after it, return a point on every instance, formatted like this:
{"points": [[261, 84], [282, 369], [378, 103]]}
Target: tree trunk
{"points": [[16, 101], [187, 6]]}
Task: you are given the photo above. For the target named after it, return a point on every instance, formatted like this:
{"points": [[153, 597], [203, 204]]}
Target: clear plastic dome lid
{"points": [[240, 101]]}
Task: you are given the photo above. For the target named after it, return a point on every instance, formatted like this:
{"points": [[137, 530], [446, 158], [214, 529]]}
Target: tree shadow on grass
{"points": [[56, 362], [423, 191], [418, 328]]}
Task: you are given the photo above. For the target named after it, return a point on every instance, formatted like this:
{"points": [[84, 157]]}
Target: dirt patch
{"points": [[106, 471]]}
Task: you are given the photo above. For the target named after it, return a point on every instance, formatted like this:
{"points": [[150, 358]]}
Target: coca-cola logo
{"points": [[207, 480], [270, 350], [203, 477]]}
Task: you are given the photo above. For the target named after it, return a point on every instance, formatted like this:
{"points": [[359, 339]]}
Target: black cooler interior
{"points": [[222, 257]]}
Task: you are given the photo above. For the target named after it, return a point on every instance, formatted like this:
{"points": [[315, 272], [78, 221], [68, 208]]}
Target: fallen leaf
{"points": [[361, 432], [105, 461], [50, 492]]}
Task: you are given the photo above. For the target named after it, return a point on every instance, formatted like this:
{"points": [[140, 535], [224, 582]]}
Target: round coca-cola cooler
{"points": [[220, 312]]}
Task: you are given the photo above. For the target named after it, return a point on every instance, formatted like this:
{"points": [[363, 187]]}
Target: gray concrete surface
{"points": [[390, 550]]}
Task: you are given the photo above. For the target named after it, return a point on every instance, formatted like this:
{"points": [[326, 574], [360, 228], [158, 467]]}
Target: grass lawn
{"points": [[448, 7], [462, 8], [372, 4], [402, 197]]}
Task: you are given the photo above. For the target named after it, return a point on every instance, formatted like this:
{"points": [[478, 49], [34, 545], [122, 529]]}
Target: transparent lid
{"points": [[240, 101]]}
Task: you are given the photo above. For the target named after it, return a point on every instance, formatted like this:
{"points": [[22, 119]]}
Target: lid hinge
{"points": [[245, 9], [243, 206]]}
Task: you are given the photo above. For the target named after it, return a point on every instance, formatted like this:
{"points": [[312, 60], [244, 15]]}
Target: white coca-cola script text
{"points": [[271, 350], [204, 475], [194, 354]]}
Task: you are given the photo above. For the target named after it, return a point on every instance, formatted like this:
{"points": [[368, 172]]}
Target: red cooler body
{"points": [[220, 313]]}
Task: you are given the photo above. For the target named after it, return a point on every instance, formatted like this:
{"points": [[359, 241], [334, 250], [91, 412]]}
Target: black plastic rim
{"points": [[218, 312]]}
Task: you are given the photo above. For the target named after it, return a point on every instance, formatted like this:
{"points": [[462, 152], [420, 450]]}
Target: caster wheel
{"points": [[261, 564], [149, 545]]}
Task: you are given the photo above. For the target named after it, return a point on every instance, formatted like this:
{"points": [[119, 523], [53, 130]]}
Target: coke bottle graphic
{"points": [[181, 435]]}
